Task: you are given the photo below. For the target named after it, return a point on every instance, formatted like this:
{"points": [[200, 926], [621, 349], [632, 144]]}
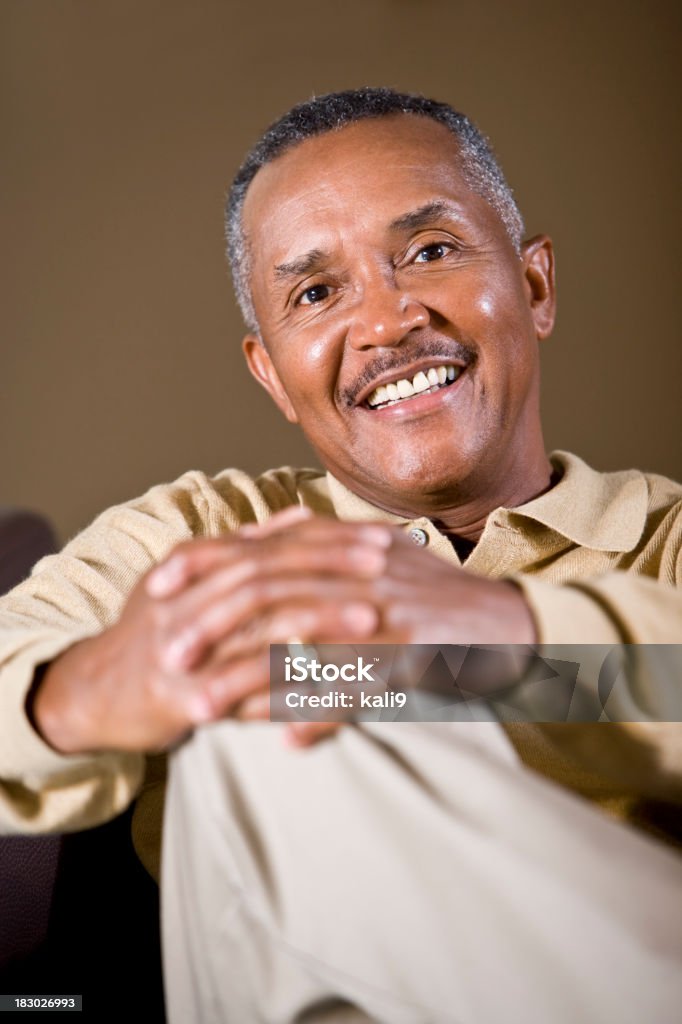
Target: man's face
{"points": [[374, 266]]}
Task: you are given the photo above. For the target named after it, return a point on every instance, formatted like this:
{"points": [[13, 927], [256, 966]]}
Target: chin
{"points": [[418, 484], [430, 470]]}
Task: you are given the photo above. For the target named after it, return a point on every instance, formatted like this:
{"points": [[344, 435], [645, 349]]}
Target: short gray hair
{"points": [[321, 114]]}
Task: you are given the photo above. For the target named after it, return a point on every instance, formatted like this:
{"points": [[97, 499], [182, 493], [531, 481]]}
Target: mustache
{"points": [[394, 361]]}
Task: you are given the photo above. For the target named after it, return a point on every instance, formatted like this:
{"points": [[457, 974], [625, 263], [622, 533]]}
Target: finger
{"points": [[327, 530], [194, 559], [205, 615], [236, 681], [298, 525], [185, 562], [318, 621], [254, 708], [283, 520]]}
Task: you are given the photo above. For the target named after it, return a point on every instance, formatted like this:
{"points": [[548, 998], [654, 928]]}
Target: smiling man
{"points": [[399, 872], [378, 278]]}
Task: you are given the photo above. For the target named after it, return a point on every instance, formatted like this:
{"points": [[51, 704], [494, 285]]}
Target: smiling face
{"points": [[399, 326]]}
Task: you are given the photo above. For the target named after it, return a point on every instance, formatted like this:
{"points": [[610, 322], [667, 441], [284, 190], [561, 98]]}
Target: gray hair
{"points": [[321, 114]]}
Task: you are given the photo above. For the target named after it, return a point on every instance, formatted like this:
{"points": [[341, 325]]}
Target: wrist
{"points": [[57, 704]]}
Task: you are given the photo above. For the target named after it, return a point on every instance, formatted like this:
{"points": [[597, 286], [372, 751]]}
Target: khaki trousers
{"points": [[403, 872]]}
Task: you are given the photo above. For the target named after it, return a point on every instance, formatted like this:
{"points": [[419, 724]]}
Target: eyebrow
{"points": [[411, 221], [301, 265], [424, 215]]}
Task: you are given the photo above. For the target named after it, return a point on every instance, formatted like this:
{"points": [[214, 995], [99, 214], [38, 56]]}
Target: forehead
{"points": [[353, 181]]}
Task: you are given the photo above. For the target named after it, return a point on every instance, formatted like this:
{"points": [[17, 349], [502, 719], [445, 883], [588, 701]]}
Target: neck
{"points": [[462, 508], [468, 519]]}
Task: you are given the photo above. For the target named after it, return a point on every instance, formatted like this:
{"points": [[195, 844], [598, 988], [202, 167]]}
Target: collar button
{"points": [[419, 536]]}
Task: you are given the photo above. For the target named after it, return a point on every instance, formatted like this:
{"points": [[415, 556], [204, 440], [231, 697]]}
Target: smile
{"points": [[424, 382]]}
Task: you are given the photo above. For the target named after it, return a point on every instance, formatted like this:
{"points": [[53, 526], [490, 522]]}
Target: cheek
{"points": [[306, 367], [486, 305], [316, 354], [485, 300], [507, 350], [497, 297], [501, 314]]}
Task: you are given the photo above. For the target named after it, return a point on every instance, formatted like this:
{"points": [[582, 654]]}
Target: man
{"points": [[411, 872]]}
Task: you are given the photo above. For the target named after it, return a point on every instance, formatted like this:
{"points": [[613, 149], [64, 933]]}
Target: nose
{"points": [[384, 316]]}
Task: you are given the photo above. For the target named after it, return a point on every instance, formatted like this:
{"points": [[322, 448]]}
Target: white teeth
{"points": [[422, 381]]}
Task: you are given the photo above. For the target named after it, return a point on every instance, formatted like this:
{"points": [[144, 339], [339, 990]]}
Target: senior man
{"points": [[398, 872]]}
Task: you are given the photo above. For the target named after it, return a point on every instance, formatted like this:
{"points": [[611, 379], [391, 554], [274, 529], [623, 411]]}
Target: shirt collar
{"points": [[349, 506], [603, 511]]}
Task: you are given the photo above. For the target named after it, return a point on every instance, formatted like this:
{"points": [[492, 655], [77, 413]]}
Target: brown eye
{"points": [[317, 293], [430, 253]]}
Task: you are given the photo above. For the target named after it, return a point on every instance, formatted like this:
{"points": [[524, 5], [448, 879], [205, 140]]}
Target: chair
{"points": [[28, 865], [78, 913]]}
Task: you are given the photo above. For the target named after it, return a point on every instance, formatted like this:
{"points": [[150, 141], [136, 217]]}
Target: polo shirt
{"points": [[598, 557]]}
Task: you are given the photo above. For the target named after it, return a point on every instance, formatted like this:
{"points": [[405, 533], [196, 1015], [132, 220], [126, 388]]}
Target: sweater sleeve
{"points": [[70, 596], [580, 622]]}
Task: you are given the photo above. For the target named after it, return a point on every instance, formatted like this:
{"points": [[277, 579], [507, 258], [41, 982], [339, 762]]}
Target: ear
{"points": [[261, 366], [537, 255]]}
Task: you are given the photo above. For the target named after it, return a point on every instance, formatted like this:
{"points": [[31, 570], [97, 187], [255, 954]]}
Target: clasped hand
{"points": [[192, 643]]}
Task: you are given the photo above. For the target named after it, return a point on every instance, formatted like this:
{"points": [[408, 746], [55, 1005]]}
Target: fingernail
{"points": [[165, 579]]}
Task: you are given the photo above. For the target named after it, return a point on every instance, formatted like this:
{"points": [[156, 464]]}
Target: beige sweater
{"points": [[599, 558]]}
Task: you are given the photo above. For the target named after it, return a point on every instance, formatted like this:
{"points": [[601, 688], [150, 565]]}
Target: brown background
{"points": [[122, 122]]}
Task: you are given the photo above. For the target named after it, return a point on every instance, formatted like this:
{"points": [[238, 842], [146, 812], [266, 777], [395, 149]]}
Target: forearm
{"points": [[41, 789]]}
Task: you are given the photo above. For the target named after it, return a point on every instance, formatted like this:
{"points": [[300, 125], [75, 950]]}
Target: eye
{"points": [[432, 252], [316, 293]]}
